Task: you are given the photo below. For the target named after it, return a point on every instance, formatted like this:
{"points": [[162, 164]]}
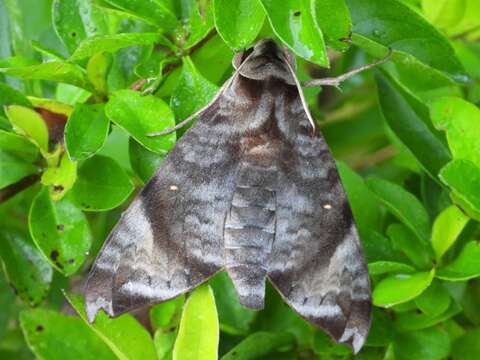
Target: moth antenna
{"points": [[300, 92], [336, 81], [199, 112]]}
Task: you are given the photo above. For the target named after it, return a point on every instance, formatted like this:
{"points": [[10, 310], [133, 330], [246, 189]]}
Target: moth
{"points": [[250, 188]]}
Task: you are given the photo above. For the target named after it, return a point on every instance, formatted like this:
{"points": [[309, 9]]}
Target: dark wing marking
{"points": [[316, 262], [171, 237]]}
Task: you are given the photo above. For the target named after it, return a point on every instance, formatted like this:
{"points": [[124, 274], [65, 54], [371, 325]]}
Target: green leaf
{"points": [[465, 266], [144, 162], [234, 318], [239, 21], [17, 145], [111, 43], [60, 231], [416, 320], [409, 120], [383, 267], [140, 115], [196, 19], [378, 21], [333, 18], [446, 229], [292, 21], [29, 123], [55, 336], [461, 120], [164, 342], [444, 13], [60, 177], [382, 331], [86, 131], [11, 96], [97, 71], [26, 269], [166, 315], [404, 205], [13, 169], [467, 347], [259, 344], [405, 241], [47, 51], [58, 71], [435, 300], [367, 213], [124, 335], [198, 334], [397, 289], [463, 177], [68, 23], [426, 344], [153, 12], [101, 185], [323, 344], [192, 92]]}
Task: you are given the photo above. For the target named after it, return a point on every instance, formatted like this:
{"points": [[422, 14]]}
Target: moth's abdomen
{"points": [[250, 230]]}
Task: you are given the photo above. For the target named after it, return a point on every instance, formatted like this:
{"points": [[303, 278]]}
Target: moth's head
{"points": [[266, 60]]}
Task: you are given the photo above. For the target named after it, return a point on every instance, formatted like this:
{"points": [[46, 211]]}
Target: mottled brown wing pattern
{"points": [[171, 237], [317, 263]]}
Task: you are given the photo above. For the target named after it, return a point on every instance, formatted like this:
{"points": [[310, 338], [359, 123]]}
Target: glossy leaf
{"points": [[101, 185], [17, 145], [13, 169], [192, 92], [234, 318], [435, 300], [444, 13], [86, 131], [293, 23], [461, 120], [164, 342], [141, 115], [25, 267], [60, 231], [197, 21], [154, 12], [404, 240], [60, 177], [415, 320], [198, 334], [143, 161], [409, 120], [465, 266], [333, 18], [124, 335], [58, 71], [397, 289], [364, 206], [166, 315], [405, 206], [11, 96], [446, 229], [463, 177], [378, 21], [97, 71], [426, 344], [68, 22], [46, 333], [259, 344], [383, 267], [239, 21], [29, 123], [467, 346], [111, 43]]}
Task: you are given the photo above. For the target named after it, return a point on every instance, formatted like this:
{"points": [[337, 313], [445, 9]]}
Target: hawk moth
{"points": [[251, 188]]}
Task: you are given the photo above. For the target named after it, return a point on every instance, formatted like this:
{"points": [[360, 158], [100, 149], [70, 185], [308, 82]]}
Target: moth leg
{"points": [[336, 81]]}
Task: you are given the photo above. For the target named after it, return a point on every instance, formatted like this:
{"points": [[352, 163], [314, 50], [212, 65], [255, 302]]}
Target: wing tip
{"points": [[353, 338]]}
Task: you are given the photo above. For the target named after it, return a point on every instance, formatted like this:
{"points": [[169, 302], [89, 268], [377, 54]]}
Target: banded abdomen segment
{"points": [[250, 229]]}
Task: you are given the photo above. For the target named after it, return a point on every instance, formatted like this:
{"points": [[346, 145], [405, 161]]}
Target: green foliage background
{"points": [[83, 81]]}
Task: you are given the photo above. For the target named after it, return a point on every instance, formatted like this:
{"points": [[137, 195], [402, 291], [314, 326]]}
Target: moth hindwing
{"points": [[253, 189]]}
